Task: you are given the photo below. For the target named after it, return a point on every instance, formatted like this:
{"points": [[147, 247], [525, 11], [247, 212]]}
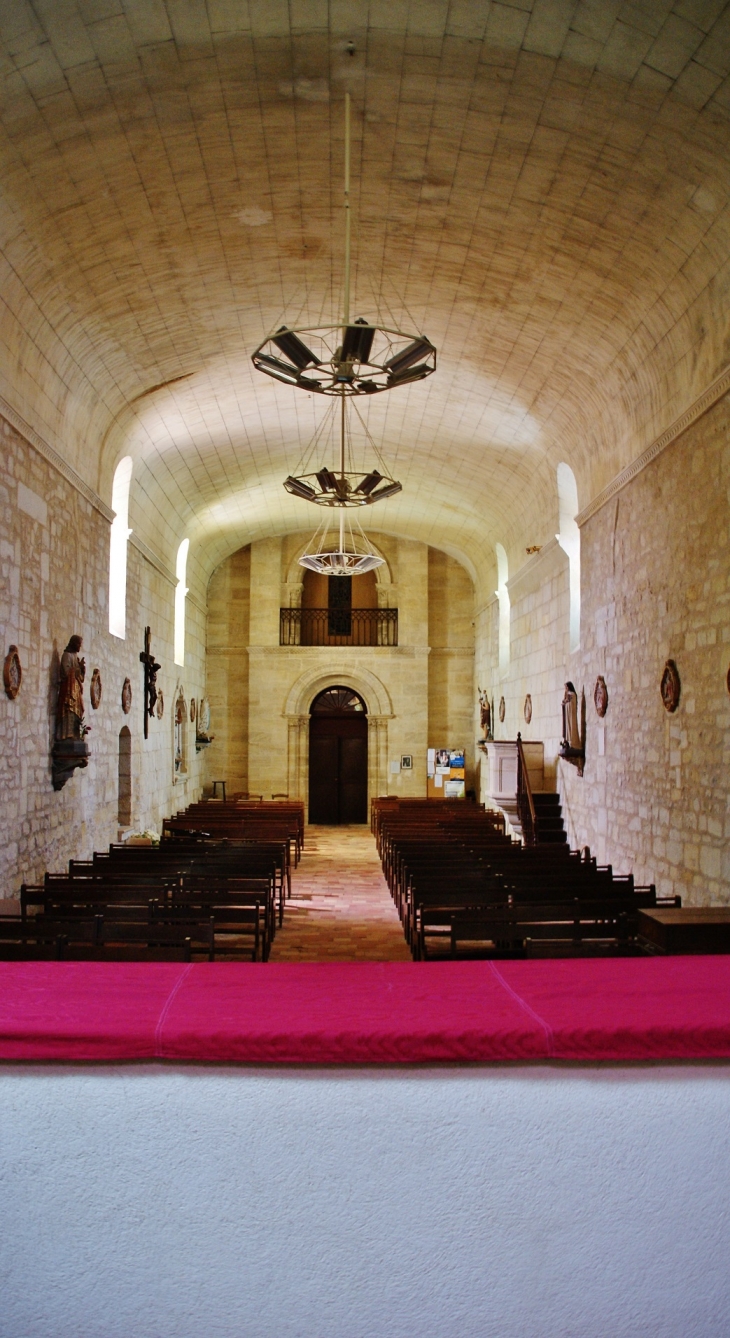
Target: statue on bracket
{"points": [[572, 745], [203, 736], [485, 713], [70, 749]]}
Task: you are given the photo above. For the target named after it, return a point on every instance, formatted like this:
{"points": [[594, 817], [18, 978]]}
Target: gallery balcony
{"points": [[338, 627]]}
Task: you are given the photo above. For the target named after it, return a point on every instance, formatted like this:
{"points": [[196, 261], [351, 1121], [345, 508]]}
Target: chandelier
{"points": [[344, 361]]}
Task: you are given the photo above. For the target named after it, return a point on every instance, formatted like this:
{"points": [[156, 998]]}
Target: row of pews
{"points": [[465, 889], [216, 886]]}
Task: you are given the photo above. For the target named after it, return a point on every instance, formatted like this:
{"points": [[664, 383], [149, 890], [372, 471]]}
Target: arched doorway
{"points": [[338, 757]]}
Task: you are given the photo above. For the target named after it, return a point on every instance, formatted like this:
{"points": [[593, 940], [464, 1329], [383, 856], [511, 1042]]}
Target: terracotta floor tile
{"points": [[340, 908]]}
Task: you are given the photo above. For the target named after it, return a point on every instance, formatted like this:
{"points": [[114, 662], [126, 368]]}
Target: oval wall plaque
{"points": [[670, 686], [126, 696], [95, 689], [12, 673], [160, 708], [600, 696], [192, 710], [528, 708], [501, 709]]}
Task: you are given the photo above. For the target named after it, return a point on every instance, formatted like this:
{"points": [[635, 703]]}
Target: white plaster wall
{"points": [[500, 1202]]}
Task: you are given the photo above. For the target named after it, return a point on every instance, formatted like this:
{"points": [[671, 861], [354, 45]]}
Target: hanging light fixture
{"points": [[344, 361]]}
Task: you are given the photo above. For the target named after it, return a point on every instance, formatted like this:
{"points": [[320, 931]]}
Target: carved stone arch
{"points": [[296, 710]]}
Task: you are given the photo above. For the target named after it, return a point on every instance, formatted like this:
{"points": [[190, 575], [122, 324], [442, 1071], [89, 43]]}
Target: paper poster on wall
{"points": [[456, 758], [431, 762], [438, 780], [454, 789]]}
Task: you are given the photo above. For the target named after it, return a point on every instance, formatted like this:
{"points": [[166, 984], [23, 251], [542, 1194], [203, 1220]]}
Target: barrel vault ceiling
{"points": [[540, 186]]}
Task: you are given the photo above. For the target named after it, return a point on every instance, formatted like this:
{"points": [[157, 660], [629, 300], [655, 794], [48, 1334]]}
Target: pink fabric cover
{"points": [[367, 1013]]}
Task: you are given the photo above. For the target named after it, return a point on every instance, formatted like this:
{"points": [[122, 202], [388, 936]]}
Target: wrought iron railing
{"points": [[525, 802], [338, 627]]}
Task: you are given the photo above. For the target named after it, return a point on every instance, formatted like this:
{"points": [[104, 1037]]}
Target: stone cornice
{"points": [[38, 443], [714, 392]]}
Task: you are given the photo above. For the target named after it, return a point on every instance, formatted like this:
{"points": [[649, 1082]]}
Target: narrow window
{"points": [[502, 594], [124, 792], [118, 548], [569, 540], [180, 593]]}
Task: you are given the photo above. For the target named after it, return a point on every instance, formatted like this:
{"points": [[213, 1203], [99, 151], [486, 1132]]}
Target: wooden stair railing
{"points": [[525, 802]]}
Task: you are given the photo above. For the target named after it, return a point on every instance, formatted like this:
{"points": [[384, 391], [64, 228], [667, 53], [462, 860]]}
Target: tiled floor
{"points": [[340, 909]]}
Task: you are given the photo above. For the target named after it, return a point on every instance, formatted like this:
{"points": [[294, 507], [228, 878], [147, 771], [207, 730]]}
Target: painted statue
{"points": [[70, 710], [485, 713], [70, 749], [571, 729]]}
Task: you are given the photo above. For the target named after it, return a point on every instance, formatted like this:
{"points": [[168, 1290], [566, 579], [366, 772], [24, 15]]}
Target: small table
{"points": [[215, 789], [686, 929]]}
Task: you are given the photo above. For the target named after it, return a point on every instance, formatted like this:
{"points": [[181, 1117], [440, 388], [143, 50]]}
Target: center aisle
{"points": [[340, 908]]}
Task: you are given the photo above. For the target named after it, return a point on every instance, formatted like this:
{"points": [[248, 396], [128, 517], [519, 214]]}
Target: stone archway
{"points": [[296, 710]]}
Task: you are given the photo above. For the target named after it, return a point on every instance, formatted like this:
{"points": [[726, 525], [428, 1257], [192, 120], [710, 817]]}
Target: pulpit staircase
{"points": [[540, 811]]}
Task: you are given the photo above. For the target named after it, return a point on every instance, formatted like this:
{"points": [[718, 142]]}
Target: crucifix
{"points": [[151, 668]]}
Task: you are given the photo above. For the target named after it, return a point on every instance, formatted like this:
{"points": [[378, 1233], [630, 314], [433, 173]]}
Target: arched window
{"points": [[124, 792], [569, 540], [180, 593], [502, 594], [118, 548]]}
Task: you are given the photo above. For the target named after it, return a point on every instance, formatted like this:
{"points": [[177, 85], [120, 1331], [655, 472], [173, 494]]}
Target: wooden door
{"points": [[338, 769]]}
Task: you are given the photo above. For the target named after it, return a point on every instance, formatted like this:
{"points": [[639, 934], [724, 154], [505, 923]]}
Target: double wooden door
{"points": [[338, 769]]}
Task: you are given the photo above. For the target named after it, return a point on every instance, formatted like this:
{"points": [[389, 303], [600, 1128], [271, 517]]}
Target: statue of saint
{"points": [[571, 730], [70, 710], [485, 719]]}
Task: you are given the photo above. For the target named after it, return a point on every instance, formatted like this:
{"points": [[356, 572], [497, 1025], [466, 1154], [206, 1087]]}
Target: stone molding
{"points": [[709, 397], [53, 458], [539, 567]]}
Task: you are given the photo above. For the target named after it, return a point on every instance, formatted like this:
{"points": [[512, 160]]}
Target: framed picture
{"points": [[406, 762]]}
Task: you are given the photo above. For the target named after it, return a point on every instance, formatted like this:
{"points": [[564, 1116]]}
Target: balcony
{"points": [[338, 627]]}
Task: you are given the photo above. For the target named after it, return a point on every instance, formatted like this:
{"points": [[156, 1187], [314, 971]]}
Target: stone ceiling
{"points": [[541, 186]]}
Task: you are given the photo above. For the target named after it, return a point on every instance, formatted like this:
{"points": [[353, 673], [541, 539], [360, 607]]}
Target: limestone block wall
{"points": [[655, 584], [54, 562], [452, 719], [261, 692]]}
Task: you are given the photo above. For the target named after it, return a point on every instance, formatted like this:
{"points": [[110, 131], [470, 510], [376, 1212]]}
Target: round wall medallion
{"points": [[600, 696], [528, 708], [126, 696], [95, 689], [192, 710], [12, 673], [501, 709], [727, 680], [670, 686], [160, 707]]}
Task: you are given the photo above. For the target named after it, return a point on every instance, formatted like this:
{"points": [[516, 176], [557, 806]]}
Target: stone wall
{"points": [[54, 571], [417, 692], [655, 584]]}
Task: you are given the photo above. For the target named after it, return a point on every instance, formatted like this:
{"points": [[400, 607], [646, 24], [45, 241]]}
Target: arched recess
{"points": [[296, 709], [124, 778], [569, 540]]}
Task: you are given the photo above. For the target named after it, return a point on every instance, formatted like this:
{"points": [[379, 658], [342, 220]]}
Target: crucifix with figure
{"points": [[151, 669]]}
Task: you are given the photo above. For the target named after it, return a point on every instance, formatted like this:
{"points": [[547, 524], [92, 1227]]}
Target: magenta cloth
{"points": [[367, 1013]]}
